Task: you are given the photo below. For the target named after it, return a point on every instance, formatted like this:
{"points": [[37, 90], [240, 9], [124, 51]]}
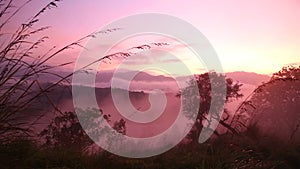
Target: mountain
{"points": [[147, 82], [250, 78]]}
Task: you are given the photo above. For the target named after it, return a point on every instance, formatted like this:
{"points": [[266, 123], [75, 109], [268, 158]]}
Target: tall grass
{"points": [[21, 66]]}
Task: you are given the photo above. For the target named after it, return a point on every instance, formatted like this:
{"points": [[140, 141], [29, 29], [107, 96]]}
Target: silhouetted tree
{"points": [[203, 83], [120, 126], [287, 72], [273, 106], [66, 131]]}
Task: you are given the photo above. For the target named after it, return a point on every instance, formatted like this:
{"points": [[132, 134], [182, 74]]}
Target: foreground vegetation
{"points": [[227, 151]]}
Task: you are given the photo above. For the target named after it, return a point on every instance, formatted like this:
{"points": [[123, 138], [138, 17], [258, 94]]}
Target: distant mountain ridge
{"points": [[147, 81], [248, 77]]}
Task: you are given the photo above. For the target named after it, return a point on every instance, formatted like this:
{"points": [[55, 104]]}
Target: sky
{"points": [[258, 36]]}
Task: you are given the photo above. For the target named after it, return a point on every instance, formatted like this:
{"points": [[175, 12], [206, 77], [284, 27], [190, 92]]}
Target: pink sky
{"points": [[257, 36]]}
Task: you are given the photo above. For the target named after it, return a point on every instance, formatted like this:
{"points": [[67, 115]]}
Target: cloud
{"points": [[106, 76], [167, 86], [293, 64], [142, 81]]}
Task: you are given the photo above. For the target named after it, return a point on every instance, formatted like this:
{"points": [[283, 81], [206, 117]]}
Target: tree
{"points": [[287, 72], [272, 108], [203, 82], [65, 130]]}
